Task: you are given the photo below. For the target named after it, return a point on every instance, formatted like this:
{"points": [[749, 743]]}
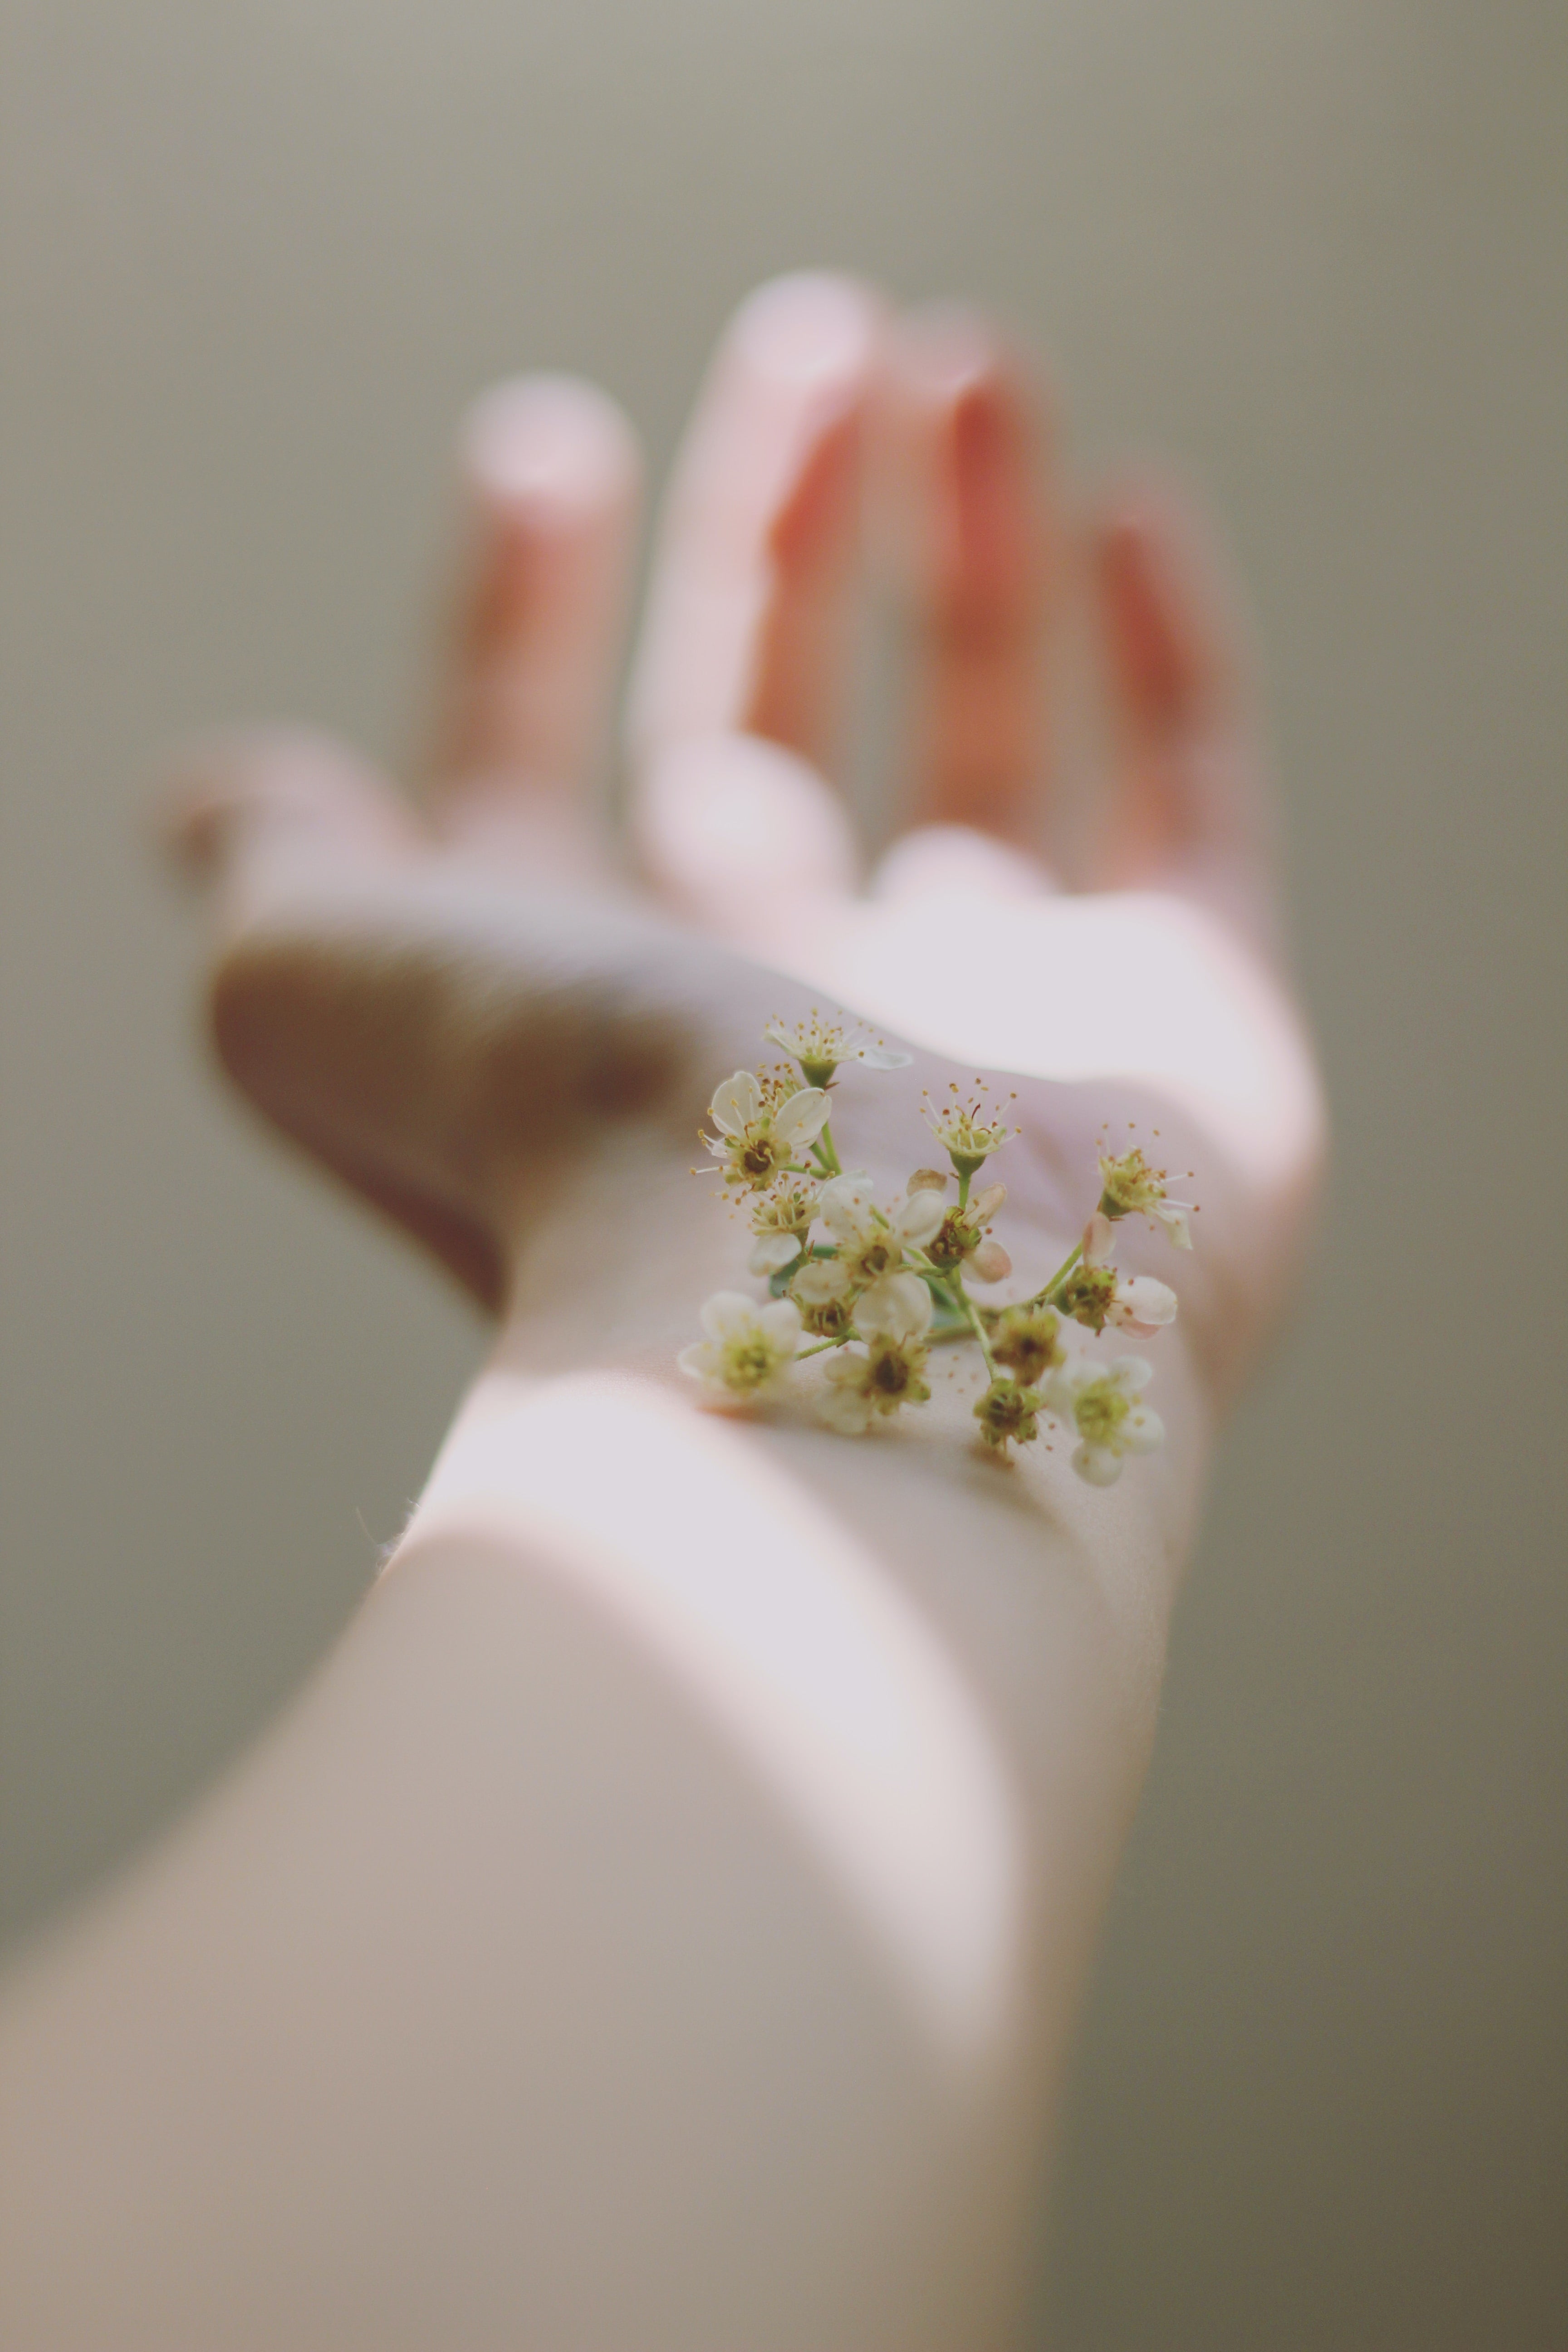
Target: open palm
{"points": [[455, 1007]]}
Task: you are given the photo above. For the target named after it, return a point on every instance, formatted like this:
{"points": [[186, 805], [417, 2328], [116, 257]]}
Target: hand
{"points": [[486, 1011]]}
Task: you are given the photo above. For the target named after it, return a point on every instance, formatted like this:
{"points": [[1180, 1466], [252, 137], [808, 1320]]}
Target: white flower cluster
{"points": [[872, 1286]]}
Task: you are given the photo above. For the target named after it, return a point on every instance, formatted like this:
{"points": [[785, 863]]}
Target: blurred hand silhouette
{"points": [[456, 1005]]}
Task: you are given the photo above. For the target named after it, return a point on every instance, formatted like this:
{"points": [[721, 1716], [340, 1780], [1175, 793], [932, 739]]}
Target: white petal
{"points": [[781, 1320], [1097, 1465], [803, 1116], [845, 1207], [772, 1252], [1130, 1374], [700, 1359], [1174, 1216], [726, 1312], [1063, 1386], [821, 1282], [847, 1410], [1142, 1431], [927, 1179], [898, 1305], [990, 1261], [1143, 1301], [984, 1206], [1099, 1241], [735, 1104], [917, 1219]]}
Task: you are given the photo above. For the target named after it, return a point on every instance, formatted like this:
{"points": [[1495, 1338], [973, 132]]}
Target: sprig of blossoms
{"points": [[872, 1283]]}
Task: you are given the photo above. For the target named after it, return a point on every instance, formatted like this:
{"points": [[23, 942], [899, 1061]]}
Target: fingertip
{"points": [[543, 448], [807, 330], [218, 790]]}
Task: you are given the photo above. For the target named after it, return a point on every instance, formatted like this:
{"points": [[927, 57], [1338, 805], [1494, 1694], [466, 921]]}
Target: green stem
{"points": [[826, 1150], [964, 1183], [1044, 1297], [963, 1301], [822, 1344]]}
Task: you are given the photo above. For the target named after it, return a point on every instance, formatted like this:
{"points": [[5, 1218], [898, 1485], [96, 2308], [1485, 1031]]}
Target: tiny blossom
{"points": [[1007, 1412], [968, 1131], [746, 1356], [962, 1238], [1096, 1295], [825, 1294], [759, 1134], [780, 1222], [1130, 1188], [819, 1046], [863, 1384], [825, 1319], [1028, 1339], [871, 1241], [1103, 1404]]}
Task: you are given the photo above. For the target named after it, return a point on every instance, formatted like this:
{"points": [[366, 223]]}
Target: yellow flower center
{"points": [[748, 1362], [1101, 1412]]}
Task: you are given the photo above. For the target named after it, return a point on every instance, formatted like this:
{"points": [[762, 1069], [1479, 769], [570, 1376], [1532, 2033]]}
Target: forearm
{"points": [[668, 1903]]}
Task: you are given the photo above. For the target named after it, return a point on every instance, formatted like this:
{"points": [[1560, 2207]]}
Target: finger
{"points": [[972, 527], [319, 998], [748, 618], [736, 832], [551, 474], [252, 815], [1190, 809]]}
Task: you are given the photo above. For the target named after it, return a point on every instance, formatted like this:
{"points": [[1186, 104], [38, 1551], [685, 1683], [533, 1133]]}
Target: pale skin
{"points": [[660, 1922]]}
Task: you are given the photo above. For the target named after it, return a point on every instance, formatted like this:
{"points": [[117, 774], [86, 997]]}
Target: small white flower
{"points": [[781, 1220], [860, 1384], [897, 1307], [819, 1046], [872, 1241], [969, 1132], [1103, 1403], [1130, 1188], [820, 1281], [758, 1136], [749, 1348], [963, 1238], [1128, 1302]]}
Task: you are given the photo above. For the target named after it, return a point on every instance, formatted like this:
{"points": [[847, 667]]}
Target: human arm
{"points": [[661, 1920]]}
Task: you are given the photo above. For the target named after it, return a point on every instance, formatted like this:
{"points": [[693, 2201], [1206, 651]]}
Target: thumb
{"points": [[274, 825], [254, 814]]}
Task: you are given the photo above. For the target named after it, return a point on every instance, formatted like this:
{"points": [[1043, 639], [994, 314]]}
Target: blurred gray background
{"points": [[258, 254]]}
